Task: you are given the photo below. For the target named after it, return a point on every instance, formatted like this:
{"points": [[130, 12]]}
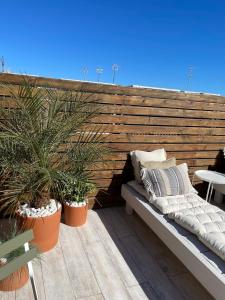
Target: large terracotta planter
{"points": [[16, 280], [45, 229], [75, 216]]}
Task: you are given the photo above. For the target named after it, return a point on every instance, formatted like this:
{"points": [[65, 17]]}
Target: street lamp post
{"points": [[85, 72], [99, 71], [3, 64], [115, 68]]}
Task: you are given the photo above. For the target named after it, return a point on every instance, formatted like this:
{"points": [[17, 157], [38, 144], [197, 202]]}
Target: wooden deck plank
{"points": [[189, 287], [164, 257], [129, 272], [96, 297], [25, 293], [7, 295], [143, 292], [137, 293], [108, 279], [118, 223], [140, 255], [103, 229], [39, 279], [56, 279], [151, 269], [176, 271], [87, 232], [81, 275]]}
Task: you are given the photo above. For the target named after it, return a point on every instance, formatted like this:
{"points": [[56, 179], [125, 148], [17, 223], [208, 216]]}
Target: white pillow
{"points": [[137, 156]]}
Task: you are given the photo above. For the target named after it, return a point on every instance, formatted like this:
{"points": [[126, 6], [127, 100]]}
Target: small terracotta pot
{"points": [[45, 229], [75, 216], [16, 280]]}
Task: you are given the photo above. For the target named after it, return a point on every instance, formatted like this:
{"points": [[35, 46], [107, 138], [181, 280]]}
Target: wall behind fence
{"points": [[189, 126]]}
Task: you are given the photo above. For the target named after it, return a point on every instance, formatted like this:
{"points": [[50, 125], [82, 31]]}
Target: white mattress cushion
{"points": [[215, 241], [207, 221], [176, 203], [200, 219]]}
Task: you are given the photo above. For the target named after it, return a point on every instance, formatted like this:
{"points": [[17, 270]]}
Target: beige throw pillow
{"points": [[137, 156], [171, 162]]}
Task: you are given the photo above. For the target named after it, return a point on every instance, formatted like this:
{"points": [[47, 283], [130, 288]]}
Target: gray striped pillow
{"points": [[167, 182]]}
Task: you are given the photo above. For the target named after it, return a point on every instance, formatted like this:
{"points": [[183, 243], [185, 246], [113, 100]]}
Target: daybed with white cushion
{"points": [[205, 265]]}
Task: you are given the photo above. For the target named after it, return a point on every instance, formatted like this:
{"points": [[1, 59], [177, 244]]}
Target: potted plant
{"points": [[42, 138], [18, 278], [75, 200]]}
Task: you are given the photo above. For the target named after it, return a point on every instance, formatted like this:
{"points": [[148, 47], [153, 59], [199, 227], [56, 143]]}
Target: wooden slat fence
{"points": [[189, 126]]}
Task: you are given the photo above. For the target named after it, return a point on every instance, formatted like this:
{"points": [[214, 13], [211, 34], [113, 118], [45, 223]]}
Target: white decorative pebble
{"points": [[75, 204], [50, 209]]}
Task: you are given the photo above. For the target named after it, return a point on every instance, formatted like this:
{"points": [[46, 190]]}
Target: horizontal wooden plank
{"points": [[178, 155], [106, 173], [102, 174], [127, 147], [145, 101], [123, 156], [107, 187], [149, 111], [118, 165], [157, 102], [164, 139], [174, 120], [160, 130], [159, 121], [110, 184], [109, 89], [155, 111]]}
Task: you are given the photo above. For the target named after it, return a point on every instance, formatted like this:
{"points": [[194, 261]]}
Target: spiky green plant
{"points": [[42, 139], [76, 189]]}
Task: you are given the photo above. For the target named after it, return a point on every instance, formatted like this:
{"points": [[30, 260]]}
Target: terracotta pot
{"points": [[45, 229], [16, 280], [75, 216]]}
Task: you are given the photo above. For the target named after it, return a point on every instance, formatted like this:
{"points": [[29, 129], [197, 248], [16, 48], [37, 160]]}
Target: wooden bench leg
{"points": [[129, 209]]}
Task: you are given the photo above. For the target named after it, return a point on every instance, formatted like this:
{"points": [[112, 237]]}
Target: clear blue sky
{"points": [[153, 41]]}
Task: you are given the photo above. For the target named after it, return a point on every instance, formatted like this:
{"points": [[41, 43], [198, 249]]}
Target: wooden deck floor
{"points": [[113, 256]]}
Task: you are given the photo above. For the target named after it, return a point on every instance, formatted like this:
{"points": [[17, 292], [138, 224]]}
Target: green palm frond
{"points": [[42, 139]]}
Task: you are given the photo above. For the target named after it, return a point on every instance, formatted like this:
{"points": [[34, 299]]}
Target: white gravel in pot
{"points": [[75, 204], [49, 210]]}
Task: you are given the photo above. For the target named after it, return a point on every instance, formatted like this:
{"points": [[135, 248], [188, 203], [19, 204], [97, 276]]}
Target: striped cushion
{"points": [[167, 182]]}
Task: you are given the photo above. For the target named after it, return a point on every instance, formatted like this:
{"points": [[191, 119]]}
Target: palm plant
{"points": [[42, 139]]}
